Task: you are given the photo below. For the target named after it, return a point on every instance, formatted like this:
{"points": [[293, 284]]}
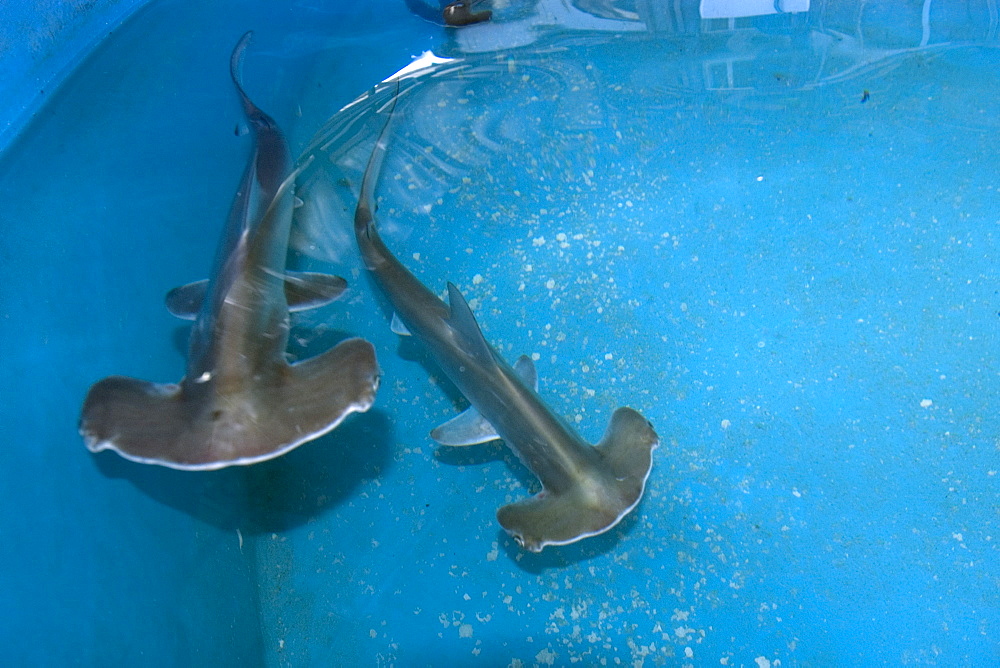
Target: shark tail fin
{"points": [[195, 426], [598, 500]]}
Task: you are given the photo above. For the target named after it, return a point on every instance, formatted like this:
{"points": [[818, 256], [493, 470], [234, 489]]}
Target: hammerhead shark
{"points": [[240, 401], [586, 490]]}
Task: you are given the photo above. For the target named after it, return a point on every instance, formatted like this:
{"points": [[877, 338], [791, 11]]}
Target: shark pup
{"points": [[586, 489], [240, 402]]}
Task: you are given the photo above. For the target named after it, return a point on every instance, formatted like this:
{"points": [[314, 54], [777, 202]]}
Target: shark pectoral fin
{"points": [[398, 327], [525, 369], [467, 428], [305, 290], [599, 497], [204, 429], [185, 301]]}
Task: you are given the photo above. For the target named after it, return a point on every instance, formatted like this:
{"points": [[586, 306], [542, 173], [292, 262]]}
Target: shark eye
{"points": [[216, 415]]}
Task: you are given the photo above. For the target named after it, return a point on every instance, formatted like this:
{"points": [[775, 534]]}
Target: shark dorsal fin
{"points": [[464, 322]]}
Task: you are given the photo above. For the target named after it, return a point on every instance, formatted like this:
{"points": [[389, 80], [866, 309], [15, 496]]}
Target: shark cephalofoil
{"points": [[240, 402], [586, 489]]}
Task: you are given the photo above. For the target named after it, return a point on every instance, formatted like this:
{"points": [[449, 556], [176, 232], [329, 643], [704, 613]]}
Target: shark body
{"points": [[586, 489], [240, 401]]}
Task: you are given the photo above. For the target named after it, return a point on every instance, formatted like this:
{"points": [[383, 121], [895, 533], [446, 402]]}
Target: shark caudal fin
{"points": [[194, 426], [601, 497]]}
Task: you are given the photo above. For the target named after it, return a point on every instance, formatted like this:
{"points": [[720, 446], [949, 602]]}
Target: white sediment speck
{"points": [[926, 403], [465, 631], [726, 424], [546, 656]]}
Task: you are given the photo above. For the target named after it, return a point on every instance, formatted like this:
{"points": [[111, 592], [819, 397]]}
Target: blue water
{"points": [[775, 238]]}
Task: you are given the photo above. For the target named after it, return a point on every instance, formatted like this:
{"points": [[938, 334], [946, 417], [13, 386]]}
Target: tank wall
{"points": [[40, 42]]}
